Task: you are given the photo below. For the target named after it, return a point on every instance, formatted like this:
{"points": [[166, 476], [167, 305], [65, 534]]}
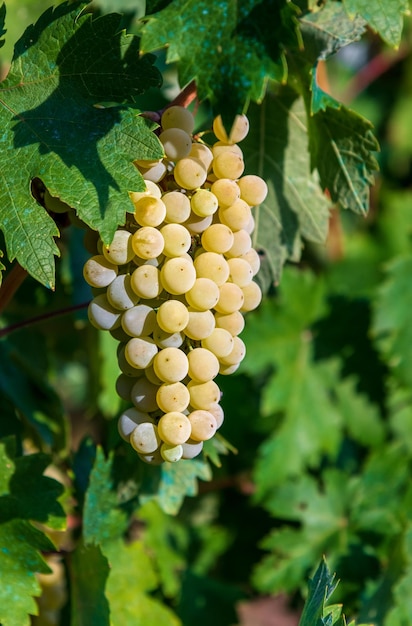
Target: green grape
{"points": [[203, 295], [217, 238], [203, 425], [102, 315], [120, 250], [171, 365], [140, 351], [174, 428], [172, 397], [145, 438], [178, 117], [203, 365], [171, 453], [120, 293], [176, 143], [177, 240], [139, 321], [253, 189], [204, 203], [177, 207], [149, 211], [172, 316], [99, 272]]}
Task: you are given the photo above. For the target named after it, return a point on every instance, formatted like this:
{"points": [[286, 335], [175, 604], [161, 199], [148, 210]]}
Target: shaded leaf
{"points": [[63, 67], [386, 18], [321, 587]]}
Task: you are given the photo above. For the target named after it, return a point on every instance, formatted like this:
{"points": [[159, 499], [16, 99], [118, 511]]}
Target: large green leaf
{"points": [[295, 209], [385, 17], [54, 128], [89, 570], [230, 48]]}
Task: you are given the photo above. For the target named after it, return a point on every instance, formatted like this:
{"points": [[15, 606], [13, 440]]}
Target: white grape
{"points": [[172, 397], [171, 453], [146, 281], [178, 117], [202, 153], [129, 419], [143, 395], [139, 320], [140, 351], [203, 425], [226, 191], [212, 265], [172, 316], [149, 211], [120, 250], [234, 322], [203, 365], [178, 275], [252, 296], [191, 449], [124, 386], [200, 325], [151, 190], [203, 295], [236, 216], [174, 428], [217, 238], [236, 355], [155, 172], [176, 143], [99, 272], [220, 342], [228, 165], [241, 272], [147, 242], [145, 438], [253, 189], [196, 224], [120, 293], [204, 203], [102, 315], [231, 298], [242, 243], [190, 173], [171, 365], [238, 132], [177, 207], [177, 240], [164, 339], [203, 395]]}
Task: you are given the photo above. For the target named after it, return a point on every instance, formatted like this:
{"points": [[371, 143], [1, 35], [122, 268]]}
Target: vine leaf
{"points": [[89, 570], [385, 18], [295, 208], [217, 45], [58, 129], [321, 587], [25, 495]]}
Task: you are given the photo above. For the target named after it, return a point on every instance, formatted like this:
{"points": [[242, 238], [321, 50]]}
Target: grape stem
{"points": [[41, 318], [183, 99], [11, 284]]}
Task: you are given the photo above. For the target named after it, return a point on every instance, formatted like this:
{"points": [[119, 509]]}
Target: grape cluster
{"points": [[174, 284]]}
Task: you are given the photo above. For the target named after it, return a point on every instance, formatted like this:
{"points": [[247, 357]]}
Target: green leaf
{"points": [[230, 48], [342, 145], [20, 559], [321, 587], [2, 20], [329, 29], [25, 493], [391, 325], [402, 604], [178, 480], [386, 18], [295, 209], [89, 570], [63, 68], [102, 519]]}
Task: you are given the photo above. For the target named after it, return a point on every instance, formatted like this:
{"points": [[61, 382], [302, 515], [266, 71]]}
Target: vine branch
{"points": [[41, 318]]}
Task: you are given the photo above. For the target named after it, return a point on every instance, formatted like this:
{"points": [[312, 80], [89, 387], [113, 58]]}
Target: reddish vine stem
{"points": [[41, 318], [11, 284]]}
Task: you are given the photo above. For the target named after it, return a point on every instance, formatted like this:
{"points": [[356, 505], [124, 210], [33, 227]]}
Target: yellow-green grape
{"points": [[143, 395], [149, 211], [200, 325], [227, 370], [178, 117], [146, 282], [124, 365], [242, 243], [177, 207], [145, 438], [203, 153], [174, 428], [212, 265], [204, 203], [237, 353], [140, 351], [120, 250], [102, 315], [253, 189], [129, 419], [177, 240], [203, 295], [241, 272], [231, 298], [99, 272], [176, 143], [171, 365], [147, 242], [152, 189], [178, 275], [172, 316], [120, 293], [203, 395], [190, 173], [252, 295], [217, 412], [226, 191], [172, 397], [228, 165], [217, 238], [196, 224], [220, 147], [155, 458], [191, 449], [238, 132], [164, 339], [139, 321], [234, 322], [236, 216], [253, 258], [203, 425], [155, 172], [203, 365], [220, 342], [170, 453]]}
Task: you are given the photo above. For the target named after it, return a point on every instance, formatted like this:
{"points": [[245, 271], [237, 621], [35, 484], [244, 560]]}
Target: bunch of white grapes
{"points": [[174, 285]]}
